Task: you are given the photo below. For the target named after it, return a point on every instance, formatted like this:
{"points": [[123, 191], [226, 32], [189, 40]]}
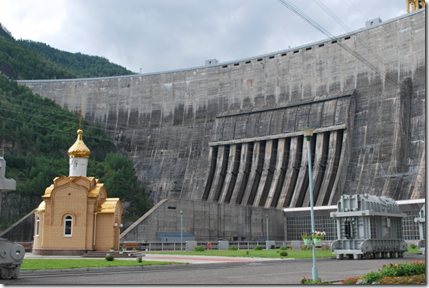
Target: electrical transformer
{"points": [[368, 227]]}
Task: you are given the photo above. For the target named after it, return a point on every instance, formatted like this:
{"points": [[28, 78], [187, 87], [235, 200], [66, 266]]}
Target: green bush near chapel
{"points": [[283, 253], [198, 249], [232, 248], [110, 257], [259, 247]]}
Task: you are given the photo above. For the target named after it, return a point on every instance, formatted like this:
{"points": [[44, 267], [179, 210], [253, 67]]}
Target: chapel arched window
{"points": [[68, 226], [37, 225]]}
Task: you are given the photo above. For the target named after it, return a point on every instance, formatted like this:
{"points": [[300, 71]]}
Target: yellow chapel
{"points": [[75, 215]]}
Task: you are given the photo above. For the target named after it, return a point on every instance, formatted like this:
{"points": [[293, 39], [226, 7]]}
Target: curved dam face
{"points": [[231, 133]]}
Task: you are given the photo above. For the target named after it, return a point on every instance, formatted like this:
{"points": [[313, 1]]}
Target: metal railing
{"points": [[240, 245]]}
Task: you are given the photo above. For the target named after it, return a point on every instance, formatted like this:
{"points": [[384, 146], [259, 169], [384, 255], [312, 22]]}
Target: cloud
{"points": [[160, 35]]}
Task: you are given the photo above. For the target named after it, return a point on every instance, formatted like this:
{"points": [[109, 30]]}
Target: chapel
{"points": [[75, 215]]}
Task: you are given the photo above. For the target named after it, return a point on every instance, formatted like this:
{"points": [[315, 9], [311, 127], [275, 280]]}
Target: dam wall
{"points": [[208, 221], [231, 133]]}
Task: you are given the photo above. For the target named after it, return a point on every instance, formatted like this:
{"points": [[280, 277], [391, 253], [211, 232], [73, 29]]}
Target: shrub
{"points": [[259, 247], [198, 248], [415, 279], [413, 246], [404, 269], [232, 248], [283, 253], [311, 281], [405, 273], [326, 247], [351, 280], [110, 257], [283, 248], [247, 252], [139, 259], [371, 277]]}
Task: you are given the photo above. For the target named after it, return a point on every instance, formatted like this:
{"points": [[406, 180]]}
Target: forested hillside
{"points": [[18, 61], [26, 59], [81, 65], [35, 134]]}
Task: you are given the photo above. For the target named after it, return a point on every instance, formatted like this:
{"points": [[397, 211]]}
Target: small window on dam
{"points": [[171, 208]]}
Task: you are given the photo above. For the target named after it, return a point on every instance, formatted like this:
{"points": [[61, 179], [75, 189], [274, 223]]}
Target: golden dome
{"points": [[79, 149]]}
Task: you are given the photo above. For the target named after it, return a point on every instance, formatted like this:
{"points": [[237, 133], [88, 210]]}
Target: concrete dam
{"points": [[223, 143]]}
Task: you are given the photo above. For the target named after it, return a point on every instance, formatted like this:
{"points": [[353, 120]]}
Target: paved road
{"points": [[213, 271]]}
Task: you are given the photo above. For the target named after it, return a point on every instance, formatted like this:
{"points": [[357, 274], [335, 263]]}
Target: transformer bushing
{"points": [[368, 227], [421, 221]]}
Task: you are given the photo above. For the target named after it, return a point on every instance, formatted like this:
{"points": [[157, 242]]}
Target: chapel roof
{"points": [[79, 149], [109, 206]]}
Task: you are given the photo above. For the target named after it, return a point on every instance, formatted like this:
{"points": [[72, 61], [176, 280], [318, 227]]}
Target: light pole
{"points": [[267, 227], [181, 231], [308, 133]]}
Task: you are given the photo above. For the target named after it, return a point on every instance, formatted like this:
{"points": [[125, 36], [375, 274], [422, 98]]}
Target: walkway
{"points": [[170, 258]]}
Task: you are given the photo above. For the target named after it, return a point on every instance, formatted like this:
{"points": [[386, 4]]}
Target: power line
{"points": [[332, 15], [313, 23], [347, 29], [358, 9]]}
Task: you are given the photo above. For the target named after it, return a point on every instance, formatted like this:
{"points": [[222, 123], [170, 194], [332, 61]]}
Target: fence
{"points": [[240, 245], [298, 220]]}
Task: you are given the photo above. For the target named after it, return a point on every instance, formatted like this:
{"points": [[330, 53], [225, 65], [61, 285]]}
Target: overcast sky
{"points": [[162, 35]]}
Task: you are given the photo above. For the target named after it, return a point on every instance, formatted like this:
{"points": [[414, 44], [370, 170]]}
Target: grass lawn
{"points": [[47, 264], [254, 253], [297, 254]]}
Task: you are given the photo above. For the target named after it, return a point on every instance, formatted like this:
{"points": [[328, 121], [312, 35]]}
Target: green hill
{"points": [[26, 59], [82, 65], [18, 61], [4, 32]]}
